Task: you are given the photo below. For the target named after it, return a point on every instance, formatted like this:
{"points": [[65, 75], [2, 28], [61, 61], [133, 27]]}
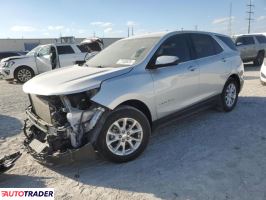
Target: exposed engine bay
{"points": [[59, 124]]}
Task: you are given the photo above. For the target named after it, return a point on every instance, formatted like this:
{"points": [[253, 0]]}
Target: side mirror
{"points": [[162, 61], [239, 43]]}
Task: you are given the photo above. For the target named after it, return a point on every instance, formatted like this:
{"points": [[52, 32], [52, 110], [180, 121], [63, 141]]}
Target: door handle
{"points": [[192, 68]]}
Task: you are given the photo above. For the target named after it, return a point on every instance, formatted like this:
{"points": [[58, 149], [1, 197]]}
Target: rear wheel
{"points": [[23, 74], [229, 95], [259, 59], [124, 135]]}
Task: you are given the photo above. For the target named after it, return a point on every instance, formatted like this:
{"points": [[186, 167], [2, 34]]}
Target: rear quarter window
{"points": [[261, 39], [228, 41], [205, 45]]}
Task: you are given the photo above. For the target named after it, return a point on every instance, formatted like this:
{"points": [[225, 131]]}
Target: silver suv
{"points": [[112, 102], [252, 48]]}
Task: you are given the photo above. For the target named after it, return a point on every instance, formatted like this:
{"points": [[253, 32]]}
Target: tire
{"points": [[120, 138], [259, 59], [263, 83], [229, 96], [23, 74]]}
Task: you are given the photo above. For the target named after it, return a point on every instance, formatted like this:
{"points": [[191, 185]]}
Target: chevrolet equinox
{"points": [[112, 101]]}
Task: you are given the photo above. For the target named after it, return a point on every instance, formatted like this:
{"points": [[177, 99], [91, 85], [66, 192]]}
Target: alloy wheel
{"points": [[24, 75], [230, 95], [124, 136]]}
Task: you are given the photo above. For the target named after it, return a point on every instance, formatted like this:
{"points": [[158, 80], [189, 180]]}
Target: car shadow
{"points": [[9, 126], [189, 158], [22, 181]]}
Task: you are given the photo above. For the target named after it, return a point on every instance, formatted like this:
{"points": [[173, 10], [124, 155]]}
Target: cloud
{"points": [[81, 31], [102, 24], [108, 30], [131, 23], [55, 28], [22, 28], [261, 18], [222, 20]]}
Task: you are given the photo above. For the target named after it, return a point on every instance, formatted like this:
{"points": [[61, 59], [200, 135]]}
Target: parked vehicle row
{"points": [[44, 58], [113, 101]]}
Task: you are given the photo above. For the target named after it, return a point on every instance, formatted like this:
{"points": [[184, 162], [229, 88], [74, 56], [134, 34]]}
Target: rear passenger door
{"points": [[213, 63], [66, 55], [175, 86]]}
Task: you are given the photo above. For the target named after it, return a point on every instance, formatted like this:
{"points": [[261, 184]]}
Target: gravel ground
{"points": [[211, 155]]}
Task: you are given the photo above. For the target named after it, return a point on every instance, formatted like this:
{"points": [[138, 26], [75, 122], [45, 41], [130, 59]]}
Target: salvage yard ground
{"points": [[211, 155]]}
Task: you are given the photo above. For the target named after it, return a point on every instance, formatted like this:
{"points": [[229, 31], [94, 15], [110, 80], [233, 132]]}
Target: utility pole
{"points": [[250, 14], [132, 30], [196, 27], [128, 31], [230, 20]]}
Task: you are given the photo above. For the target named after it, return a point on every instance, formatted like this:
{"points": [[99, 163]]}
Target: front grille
{"points": [[41, 108]]}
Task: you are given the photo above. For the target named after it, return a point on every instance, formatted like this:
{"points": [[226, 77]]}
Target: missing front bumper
{"points": [[37, 142]]}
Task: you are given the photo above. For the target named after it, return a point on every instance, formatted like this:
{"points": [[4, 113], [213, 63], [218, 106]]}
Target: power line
{"points": [[250, 14]]}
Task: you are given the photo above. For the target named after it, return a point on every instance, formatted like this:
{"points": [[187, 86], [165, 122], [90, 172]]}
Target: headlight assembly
{"points": [[9, 64]]}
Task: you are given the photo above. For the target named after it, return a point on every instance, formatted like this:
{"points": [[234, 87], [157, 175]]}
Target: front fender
{"points": [[28, 63], [131, 86]]}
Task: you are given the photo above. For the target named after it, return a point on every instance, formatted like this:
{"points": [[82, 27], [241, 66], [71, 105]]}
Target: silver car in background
{"points": [[113, 101], [252, 47]]}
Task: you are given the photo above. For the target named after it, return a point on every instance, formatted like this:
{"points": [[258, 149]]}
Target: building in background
{"points": [[28, 44]]}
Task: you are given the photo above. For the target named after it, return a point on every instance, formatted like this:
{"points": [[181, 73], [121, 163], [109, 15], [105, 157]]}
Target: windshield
{"points": [[123, 53], [33, 51]]}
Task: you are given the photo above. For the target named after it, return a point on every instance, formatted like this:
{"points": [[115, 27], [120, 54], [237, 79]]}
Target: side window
{"points": [[261, 39], [66, 49], [205, 45], [228, 41], [45, 50], [175, 46], [82, 48], [249, 40]]}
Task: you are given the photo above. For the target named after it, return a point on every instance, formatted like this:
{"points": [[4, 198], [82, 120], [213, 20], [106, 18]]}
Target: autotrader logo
{"points": [[26, 193]]}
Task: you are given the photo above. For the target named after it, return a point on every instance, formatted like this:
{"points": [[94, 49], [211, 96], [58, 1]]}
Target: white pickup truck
{"points": [[41, 59]]}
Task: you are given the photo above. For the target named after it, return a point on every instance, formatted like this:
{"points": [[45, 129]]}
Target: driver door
{"points": [[176, 86], [43, 59]]}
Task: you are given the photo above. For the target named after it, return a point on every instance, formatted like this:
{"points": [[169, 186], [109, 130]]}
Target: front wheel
{"points": [[23, 74], [229, 95], [125, 134]]}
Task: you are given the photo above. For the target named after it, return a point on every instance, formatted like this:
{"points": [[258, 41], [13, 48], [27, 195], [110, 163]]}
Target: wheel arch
{"points": [[25, 66], [141, 106], [235, 76]]}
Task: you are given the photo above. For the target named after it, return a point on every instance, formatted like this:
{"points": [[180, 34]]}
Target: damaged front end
{"points": [[60, 125]]}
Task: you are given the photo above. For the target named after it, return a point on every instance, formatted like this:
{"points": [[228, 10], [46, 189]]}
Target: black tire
{"points": [[259, 59], [18, 74], [263, 83], [223, 105], [117, 114]]}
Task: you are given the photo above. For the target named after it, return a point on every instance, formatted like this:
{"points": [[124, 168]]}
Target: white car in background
{"points": [[263, 73], [41, 59]]}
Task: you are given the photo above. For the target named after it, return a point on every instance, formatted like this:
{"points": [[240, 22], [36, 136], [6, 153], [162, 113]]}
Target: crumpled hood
{"points": [[70, 80], [15, 58]]}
